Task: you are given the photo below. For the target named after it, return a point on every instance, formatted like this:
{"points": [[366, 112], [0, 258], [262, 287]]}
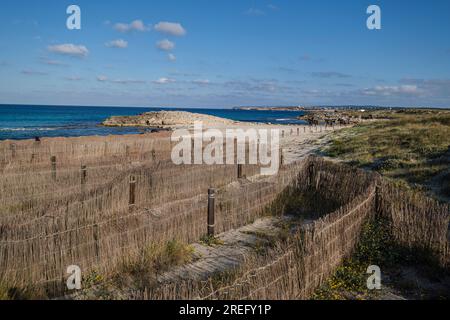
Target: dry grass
{"points": [[413, 147], [141, 270]]}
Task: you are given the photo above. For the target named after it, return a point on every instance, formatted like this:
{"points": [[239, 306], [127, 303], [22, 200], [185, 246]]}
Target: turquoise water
{"points": [[27, 122]]}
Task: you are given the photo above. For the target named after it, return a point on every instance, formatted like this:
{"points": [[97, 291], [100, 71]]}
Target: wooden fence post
{"points": [[235, 151], [53, 160], [83, 175], [281, 157], [298, 131], [377, 199], [247, 152], [37, 142], [193, 150], [96, 238], [239, 171], [132, 200], [311, 174], [13, 150], [211, 206]]}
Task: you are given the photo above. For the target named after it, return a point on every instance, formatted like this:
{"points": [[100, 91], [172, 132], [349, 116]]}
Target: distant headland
{"points": [[304, 108]]}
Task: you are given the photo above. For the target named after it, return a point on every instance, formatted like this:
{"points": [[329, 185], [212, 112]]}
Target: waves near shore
{"points": [[25, 122]]}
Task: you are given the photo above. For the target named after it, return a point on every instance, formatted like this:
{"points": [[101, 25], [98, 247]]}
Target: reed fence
{"points": [[96, 224], [30, 156], [417, 222], [101, 207], [296, 268]]}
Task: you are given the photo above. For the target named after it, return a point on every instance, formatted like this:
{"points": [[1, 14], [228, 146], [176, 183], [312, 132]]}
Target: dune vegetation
{"points": [[411, 148]]}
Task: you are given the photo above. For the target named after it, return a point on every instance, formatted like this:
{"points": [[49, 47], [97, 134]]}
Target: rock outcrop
{"points": [[165, 119]]}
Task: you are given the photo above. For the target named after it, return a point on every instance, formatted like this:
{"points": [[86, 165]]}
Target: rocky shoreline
{"points": [[166, 119]]}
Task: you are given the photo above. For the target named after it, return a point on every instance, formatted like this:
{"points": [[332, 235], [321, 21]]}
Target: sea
{"points": [[18, 122]]}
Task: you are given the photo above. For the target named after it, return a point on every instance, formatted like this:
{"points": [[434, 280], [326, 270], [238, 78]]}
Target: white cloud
{"points": [[260, 86], [119, 43], [172, 57], [165, 45], [442, 85], [102, 78], [136, 25], [164, 81], [391, 90], [69, 49], [172, 28]]}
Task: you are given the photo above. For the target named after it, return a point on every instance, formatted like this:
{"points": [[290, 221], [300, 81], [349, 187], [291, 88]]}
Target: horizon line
{"points": [[230, 108]]}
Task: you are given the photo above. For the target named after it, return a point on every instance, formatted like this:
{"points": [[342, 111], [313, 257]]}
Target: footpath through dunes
{"points": [[227, 252]]}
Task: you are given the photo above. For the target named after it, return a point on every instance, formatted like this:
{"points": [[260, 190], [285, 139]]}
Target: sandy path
{"points": [[240, 242], [232, 250], [297, 142]]}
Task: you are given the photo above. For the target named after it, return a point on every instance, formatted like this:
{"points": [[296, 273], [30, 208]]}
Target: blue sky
{"points": [[223, 53]]}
